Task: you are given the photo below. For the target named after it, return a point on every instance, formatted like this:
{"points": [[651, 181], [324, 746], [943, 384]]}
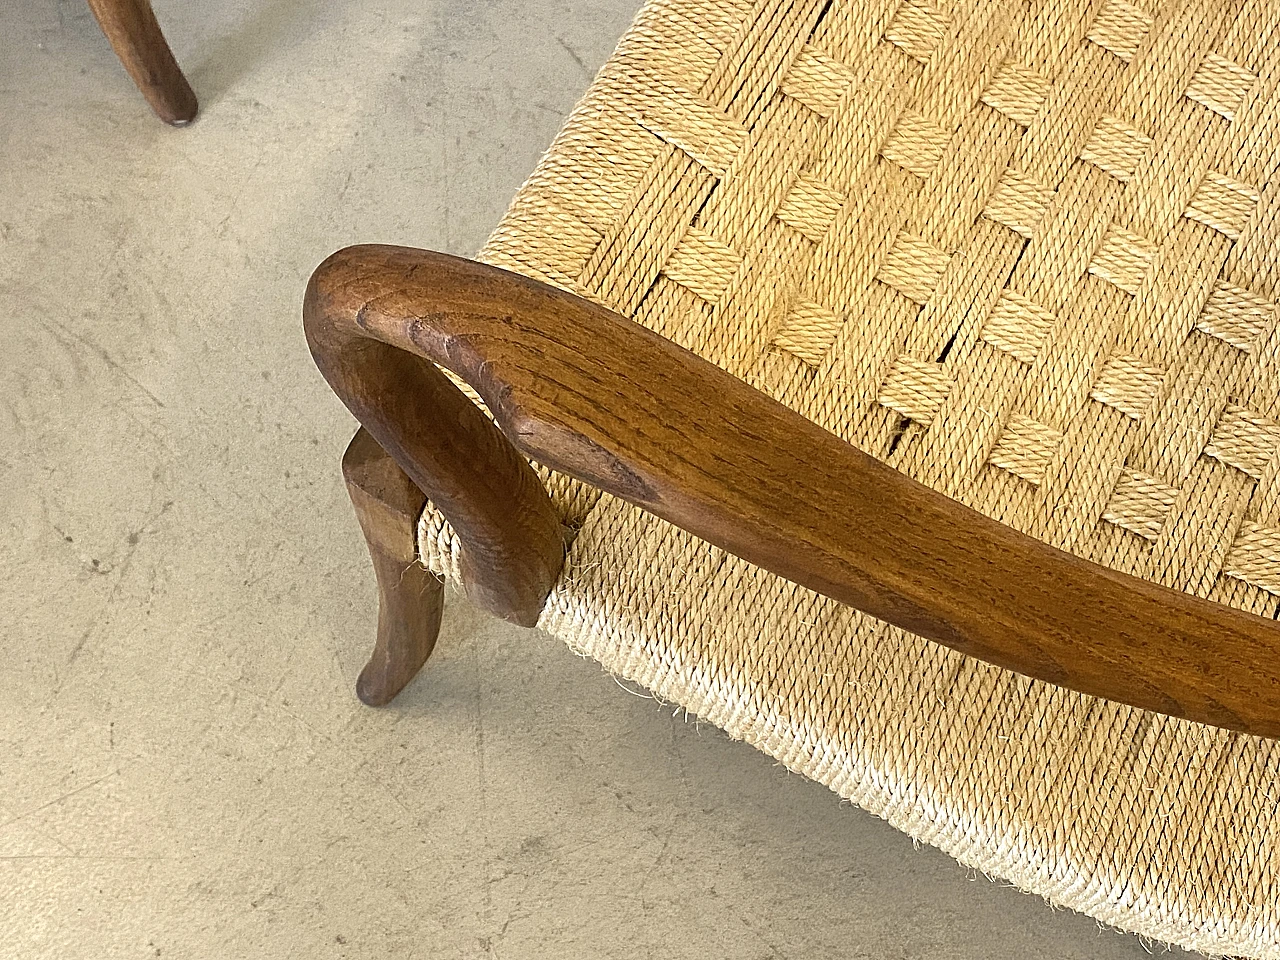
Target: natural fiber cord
{"points": [[1025, 252]]}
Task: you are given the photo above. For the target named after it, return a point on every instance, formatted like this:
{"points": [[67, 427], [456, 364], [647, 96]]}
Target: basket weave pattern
{"points": [[1025, 252]]}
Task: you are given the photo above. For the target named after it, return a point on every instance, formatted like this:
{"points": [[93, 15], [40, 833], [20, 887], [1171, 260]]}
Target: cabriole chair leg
{"points": [[425, 440], [410, 597], [135, 36]]}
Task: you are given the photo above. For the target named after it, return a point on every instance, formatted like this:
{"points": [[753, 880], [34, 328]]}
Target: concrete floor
{"points": [[185, 602]]}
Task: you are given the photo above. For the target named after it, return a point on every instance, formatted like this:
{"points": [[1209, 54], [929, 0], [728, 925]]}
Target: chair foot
{"points": [[138, 41], [410, 597]]}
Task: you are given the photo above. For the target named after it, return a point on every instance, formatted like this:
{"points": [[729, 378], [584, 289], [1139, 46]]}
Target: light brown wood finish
{"points": [[136, 37], [599, 397], [410, 597]]}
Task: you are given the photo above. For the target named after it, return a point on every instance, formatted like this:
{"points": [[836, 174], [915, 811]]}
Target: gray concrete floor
{"points": [[185, 600]]}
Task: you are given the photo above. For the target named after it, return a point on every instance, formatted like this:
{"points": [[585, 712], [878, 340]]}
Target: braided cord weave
{"points": [[1025, 252]]}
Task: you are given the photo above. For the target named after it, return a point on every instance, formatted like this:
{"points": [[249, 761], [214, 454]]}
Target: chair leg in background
{"points": [[138, 41]]}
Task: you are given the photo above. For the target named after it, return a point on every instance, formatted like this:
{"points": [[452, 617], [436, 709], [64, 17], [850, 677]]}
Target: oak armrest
{"points": [[596, 396]]}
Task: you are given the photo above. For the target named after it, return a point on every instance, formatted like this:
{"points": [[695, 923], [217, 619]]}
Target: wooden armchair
{"points": [[839, 331]]}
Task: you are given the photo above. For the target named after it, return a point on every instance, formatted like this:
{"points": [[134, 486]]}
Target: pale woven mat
{"points": [[1026, 253]]}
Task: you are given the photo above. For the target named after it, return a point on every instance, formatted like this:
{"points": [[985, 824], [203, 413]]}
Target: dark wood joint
{"points": [[511, 544]]}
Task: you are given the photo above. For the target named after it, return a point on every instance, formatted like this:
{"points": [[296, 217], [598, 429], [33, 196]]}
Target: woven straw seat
{"points": [[1024, 252]]}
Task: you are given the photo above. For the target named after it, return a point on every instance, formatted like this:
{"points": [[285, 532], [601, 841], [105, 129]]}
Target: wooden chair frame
{"points": [[136, 37], [598, 397]]}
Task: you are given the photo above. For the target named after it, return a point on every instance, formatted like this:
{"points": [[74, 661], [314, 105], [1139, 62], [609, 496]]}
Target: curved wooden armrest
{"points": [[594, 395]]}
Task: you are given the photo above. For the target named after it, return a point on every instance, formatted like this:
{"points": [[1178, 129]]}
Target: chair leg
{"points": [[138, 41], [410, 597]]}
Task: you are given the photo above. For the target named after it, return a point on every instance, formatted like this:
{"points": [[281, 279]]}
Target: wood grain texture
{"points": [[601, 398], [410, 597], [138, 41], [512, 547]]}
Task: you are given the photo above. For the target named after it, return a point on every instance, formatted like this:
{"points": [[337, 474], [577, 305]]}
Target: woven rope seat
{"points": [[1025, 253]]}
